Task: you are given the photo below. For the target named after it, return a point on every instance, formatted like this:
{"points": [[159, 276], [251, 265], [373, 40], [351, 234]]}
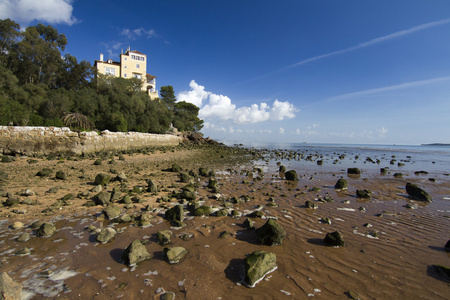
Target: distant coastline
{"points": [[436, 144]]}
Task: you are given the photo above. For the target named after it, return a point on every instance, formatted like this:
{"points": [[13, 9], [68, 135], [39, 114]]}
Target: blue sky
{"points": [[345, 71]]}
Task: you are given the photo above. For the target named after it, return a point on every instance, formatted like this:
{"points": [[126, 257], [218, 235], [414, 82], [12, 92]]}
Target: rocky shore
{"points": [[206, 221]]}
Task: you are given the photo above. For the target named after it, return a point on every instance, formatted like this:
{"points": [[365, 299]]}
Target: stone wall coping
{"points": [[34, 140]]}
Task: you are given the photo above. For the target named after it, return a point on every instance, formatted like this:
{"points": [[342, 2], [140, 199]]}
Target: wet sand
{"points": [[389, 260]]}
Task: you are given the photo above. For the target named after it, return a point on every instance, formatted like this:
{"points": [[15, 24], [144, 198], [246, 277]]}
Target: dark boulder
{"points": [[341, 184], [417, 193], [185, 177], [271, 233], [291, 175], [164, 237], [44, 172], [176, 168], [311, 205], [175, 214], [203, 211], [353, 171], [256, 214], [366, 194], [102, 179], [203, 172], [212, 183], [334, 239], [61, 175], [102, 198], [188, 195], [152, 186], [249, 224]]}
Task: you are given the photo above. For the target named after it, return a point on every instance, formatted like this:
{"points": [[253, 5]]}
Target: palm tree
{"points": [[78, 121]]}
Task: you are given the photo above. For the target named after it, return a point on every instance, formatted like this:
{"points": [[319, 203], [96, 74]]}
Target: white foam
{"points": [[151, 273], [62, 275], [346, 209]]}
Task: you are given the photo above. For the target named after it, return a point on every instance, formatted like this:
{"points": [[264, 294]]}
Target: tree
{"points": [[39, 56], [186, 117], [73, 75], [168, 95], [9, 33], [38, 87]]}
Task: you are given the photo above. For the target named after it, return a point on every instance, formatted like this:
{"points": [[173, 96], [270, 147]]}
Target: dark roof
{"points": [[151, 76], [134, 51]]}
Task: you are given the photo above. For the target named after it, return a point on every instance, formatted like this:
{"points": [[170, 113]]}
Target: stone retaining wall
{"points": [[56, 140]]}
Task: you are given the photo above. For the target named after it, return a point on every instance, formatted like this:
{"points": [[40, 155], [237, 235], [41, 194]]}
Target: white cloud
{"points": [[297, 131], [361, 134], [112, 49], [213, 107], [281, 130], [25, 11], [196, 95], [138, 32], [282, 110], [265, 131], [382, 132]]}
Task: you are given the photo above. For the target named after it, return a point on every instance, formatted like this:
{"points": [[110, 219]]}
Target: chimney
{"points": [[101, 56]]}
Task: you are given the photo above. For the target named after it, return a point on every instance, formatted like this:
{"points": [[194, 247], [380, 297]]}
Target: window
{"points": [[138, 76], [110, 71], [135, 57], [138, 66], [125, 67], [125, 75]]}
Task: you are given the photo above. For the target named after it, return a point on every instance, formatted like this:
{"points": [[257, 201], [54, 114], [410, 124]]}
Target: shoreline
{"points": [[398, 247]]}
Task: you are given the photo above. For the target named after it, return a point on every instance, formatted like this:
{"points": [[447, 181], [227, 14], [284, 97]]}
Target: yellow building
{"points": [[133, 64]]}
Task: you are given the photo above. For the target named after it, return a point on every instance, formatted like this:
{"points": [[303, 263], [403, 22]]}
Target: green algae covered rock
{"points": [[175, 255], [271, 233], [164, 237], [291, 175], [46, 230], [203, 211], [111, 212], [102, 179], [258, 265], [366, 194], [105, 235], [174, 214], [134, 253], [341, 184], [417, 193]]}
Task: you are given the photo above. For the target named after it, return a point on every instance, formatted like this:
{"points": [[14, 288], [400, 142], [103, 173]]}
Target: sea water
{"points": [[429, 158]]}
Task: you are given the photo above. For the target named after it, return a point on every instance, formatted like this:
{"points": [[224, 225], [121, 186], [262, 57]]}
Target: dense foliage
{"points": [[40, 87]]}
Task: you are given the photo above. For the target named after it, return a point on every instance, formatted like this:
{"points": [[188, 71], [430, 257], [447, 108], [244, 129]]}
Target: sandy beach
{"points": [[388, 252]]}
